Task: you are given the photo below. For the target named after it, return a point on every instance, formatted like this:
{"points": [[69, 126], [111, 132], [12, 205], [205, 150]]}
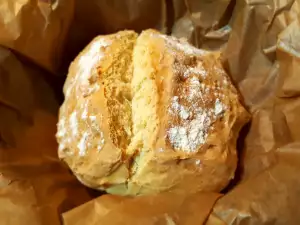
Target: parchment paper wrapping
{"points": [[36, 28], [34, 186], [263, 57], [146, 210], [261, 51], [94, 17]]}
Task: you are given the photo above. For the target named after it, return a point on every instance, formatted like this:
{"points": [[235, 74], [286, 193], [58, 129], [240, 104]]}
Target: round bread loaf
{"points": [[149, 113]]}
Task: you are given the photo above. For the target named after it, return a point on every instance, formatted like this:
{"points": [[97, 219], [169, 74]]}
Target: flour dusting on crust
{"points": [[87, 69], [81, 85], [197, 102]]}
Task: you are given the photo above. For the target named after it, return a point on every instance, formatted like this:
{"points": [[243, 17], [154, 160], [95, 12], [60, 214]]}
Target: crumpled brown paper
{"points": [[263, 57], [261, 51], [34, 186], [94, 17], [36, 28], [146, 210]]}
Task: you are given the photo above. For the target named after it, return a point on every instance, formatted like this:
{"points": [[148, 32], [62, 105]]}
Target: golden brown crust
{"points": [[89, 140], [170, 124]]}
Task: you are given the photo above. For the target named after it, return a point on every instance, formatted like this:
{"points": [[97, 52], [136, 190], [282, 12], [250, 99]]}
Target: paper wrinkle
{"points": [[36, 29], [14, 78], [35, 186], [269, 182], [158, 209]]}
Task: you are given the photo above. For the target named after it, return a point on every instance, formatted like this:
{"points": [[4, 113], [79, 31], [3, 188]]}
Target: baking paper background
{"points": [[259, 40], [148, 210], [36, 28], [34, 186]]}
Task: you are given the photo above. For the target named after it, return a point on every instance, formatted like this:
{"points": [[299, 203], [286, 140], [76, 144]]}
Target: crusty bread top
{"points": [[186, 118], [191, 92], [152, 114], [95, 119]]}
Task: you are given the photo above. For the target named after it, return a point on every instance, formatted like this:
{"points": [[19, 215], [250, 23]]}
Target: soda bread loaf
{"points": [[149, 113]]}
